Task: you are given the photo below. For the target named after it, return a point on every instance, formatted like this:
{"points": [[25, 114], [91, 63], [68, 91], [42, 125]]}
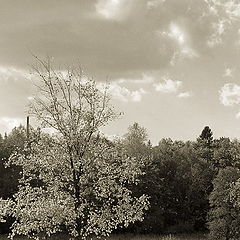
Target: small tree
{"points": [[75, 180]]}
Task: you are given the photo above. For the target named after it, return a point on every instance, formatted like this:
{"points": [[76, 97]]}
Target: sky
{"points": [[173, 65]]}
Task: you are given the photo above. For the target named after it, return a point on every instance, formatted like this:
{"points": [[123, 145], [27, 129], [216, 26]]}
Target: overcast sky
{"points": [[173, 64]]}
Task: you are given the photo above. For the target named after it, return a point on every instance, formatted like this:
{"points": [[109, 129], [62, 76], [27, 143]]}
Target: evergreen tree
{"points": [[206, 136], [205, 145]]}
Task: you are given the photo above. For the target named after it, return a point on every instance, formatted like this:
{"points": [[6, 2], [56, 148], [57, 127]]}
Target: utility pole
{"points": [[27, 127]]}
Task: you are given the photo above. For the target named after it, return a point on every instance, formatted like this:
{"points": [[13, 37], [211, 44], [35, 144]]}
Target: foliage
{"points": [[205, 145], [46, 198], [135, 142], [227, 153], [206, 136], [186, 183], [75, 180], [224, 217], [12, 142], [178, 182], [80, 182]]}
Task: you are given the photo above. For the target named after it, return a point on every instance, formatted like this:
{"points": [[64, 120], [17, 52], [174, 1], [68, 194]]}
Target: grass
{"points": [[133, 237], [160, 237]]}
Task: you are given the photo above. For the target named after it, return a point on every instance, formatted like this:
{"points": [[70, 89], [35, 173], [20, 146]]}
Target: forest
{"points": [[193, 186]]}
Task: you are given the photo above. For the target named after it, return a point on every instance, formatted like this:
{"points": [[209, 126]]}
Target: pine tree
{"points": [[207, 136]]}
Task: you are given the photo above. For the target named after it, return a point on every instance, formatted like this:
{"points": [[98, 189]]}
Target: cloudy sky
{"points": [[173, 64]]}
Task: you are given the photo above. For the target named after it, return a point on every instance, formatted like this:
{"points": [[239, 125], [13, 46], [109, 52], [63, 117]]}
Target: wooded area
{"points": [[79, 182], [193, 185]]}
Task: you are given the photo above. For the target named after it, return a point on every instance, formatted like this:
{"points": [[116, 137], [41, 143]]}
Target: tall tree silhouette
{"points": [[206, 136]]}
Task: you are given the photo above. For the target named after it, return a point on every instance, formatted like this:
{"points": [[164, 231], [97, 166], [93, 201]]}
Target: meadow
{"points": [[132, 237]]}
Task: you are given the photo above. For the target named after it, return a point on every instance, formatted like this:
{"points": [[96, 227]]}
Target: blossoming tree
{"points": [[76, 180]]}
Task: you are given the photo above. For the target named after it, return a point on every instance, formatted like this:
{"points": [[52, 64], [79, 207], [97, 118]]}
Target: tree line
{"points": [[192, 185]]}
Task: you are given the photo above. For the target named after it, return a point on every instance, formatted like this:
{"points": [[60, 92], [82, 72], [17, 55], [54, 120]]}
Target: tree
{"points": [[205, 145], [207, 136], [178, 185], [235, 200], [224, 217], [226, 153], [9, 176], [202, 174], [14, 141], [135, 142], [74, 180]]}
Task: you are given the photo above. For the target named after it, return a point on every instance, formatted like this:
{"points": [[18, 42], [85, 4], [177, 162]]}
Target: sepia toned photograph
{"points": [[120, 119]]}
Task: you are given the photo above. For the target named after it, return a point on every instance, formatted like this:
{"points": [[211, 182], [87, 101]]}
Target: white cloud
{"points": [[213, 10], [232, 9], [227, 12], [7, 73], [112, 9], [174, 32], [184, 52], [230, 94], [177, 33], [219, 29], [184, 94], [188, 52], [213, 41], [136, 96], [122, 93], [228, 72], [145, 80], [154, 3], [168, 86], [182, 40], [7, 124], [238, 115]]}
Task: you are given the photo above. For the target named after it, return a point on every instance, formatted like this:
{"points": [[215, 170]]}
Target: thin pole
{"points": [[27, 127]]}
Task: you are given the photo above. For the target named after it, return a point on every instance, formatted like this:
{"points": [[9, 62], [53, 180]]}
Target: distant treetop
{"points": [[206, 134]]}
